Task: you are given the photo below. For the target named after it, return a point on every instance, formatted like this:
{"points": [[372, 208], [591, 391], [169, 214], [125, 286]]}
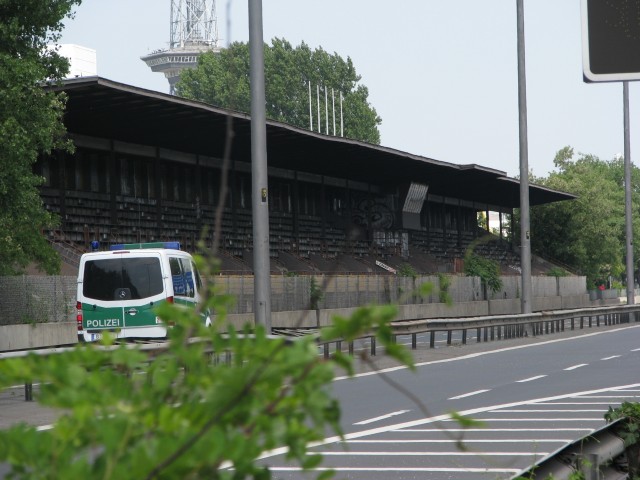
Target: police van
{"points": [[119, 289]]}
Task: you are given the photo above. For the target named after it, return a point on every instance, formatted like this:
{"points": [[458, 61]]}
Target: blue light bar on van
{"points": [[138, 246]]}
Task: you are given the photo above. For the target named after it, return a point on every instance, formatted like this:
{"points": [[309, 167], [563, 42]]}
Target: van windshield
{"points": [[122, 278]]}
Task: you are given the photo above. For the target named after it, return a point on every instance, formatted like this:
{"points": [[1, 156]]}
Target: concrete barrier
{"points": [[22, 337], [509, 306]]}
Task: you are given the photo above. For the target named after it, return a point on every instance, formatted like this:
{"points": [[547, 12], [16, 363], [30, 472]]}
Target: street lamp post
{"points": [[525, 228], [259, 187]]}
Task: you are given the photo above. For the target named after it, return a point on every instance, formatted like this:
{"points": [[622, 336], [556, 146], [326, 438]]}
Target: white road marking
{"points": [[485, 430], [610, 396], [447, 417], [611, 357], [382, 417], [455, 453], [535, 419], [400, 469], [549, 411], [470, 394], [575, 403], [576, 366], [636, 350], [530, 379], [519, 440]]}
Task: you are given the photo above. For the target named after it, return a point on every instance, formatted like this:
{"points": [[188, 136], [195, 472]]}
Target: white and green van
{"points": [[119, 289]]}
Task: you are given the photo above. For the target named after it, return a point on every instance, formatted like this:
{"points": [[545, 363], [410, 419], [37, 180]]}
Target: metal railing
{"points": [[498, 327], [596, 456]]}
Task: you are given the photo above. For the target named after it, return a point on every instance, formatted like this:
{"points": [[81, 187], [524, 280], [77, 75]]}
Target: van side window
{"points": [[188, 277], [197, 275], [182, 277]]}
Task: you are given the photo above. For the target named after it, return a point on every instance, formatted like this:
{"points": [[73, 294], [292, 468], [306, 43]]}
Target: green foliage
{"points": [[575, 476], [488, 270], [631, 412], [316, 294], [222, 79], [30, 124], [630, 433], [374, 319], [444, 282], [617, 285], [587, 233], [557, 272], [466, 422], [406, 270], [179, 412]]}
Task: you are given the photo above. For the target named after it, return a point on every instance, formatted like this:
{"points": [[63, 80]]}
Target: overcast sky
{"points": [[442, 74]]}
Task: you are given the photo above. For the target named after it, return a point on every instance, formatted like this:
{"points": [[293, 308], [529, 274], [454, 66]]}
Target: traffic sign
{"points": [[611, 40]]}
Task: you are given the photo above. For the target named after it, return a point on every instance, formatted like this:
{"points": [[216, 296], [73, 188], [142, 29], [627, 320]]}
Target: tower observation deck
{"points": [[193, 31]]}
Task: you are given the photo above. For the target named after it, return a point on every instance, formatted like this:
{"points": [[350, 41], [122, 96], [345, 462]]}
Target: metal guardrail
{"points": [[498, 327], [598, 456]]}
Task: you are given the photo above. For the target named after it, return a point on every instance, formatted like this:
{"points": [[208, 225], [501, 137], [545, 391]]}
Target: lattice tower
{"points": [[193, 31]]}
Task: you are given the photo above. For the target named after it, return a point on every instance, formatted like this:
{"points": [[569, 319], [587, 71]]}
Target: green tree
{"points": [[222, 79], [587, 233], [30, 124]]}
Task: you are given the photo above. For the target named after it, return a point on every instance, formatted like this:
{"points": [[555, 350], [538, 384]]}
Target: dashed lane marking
{"points": [[530, 379], [576, 366], [470, 394]]}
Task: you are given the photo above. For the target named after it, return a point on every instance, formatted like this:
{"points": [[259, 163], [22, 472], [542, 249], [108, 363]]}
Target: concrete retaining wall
{"points": [[308, 318], [43, 299], [48, 303], [22, 337]]}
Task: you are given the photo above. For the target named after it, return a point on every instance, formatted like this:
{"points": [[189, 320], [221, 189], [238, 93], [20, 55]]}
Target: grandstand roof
{"points": [[107, 109]]}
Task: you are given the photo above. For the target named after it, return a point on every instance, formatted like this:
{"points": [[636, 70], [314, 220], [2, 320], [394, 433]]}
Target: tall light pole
{"points": [[525, 228], [627, 197], [259, 187]]}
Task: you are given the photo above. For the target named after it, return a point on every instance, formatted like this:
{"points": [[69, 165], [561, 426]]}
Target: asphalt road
{"points": [[533, 396]]}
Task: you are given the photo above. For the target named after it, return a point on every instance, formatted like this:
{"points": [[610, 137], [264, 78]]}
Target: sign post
{"points": [[611, 53]]}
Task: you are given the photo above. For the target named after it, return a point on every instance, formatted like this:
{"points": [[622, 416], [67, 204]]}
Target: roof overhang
{"points": [[102, 108]]}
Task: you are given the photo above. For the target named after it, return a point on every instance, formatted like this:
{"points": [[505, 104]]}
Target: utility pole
{"points": [[525, 228], [627, 197], [259, 187]]}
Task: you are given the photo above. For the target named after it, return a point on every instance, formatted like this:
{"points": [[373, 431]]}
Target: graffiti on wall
{"points": [[373, 213]]}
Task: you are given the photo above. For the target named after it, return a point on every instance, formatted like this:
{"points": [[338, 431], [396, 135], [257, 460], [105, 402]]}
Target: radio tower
{"points": [[193, 31]]}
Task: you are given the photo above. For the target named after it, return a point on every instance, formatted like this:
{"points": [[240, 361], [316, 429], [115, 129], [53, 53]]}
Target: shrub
{"points": [[407, 270], [488, 270], [557, 272], [444, 281]]}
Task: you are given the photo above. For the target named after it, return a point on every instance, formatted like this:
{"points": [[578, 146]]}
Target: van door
{"points": [[120, 291], [184, 280]]}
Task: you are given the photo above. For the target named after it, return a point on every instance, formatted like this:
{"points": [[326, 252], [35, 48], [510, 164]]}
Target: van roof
{"points": [[140, 246]]}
